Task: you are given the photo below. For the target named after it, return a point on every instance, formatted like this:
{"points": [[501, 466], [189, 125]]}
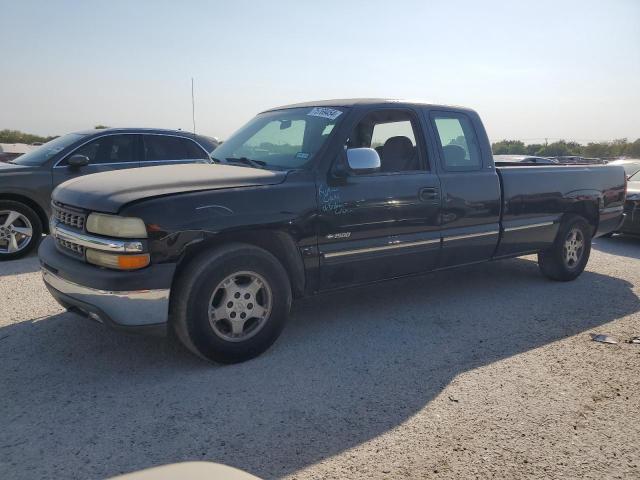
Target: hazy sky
{"points": [[532, 69]]}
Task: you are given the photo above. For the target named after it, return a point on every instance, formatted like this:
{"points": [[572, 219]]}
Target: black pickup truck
{"points": [[304, 199]]}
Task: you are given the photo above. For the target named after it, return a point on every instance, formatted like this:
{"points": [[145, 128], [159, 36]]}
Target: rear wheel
{"points": [[567, 258], [20, 230], [231, 304]]}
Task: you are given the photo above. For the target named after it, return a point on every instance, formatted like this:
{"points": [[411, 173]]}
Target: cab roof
{"points": [[371, 102]]}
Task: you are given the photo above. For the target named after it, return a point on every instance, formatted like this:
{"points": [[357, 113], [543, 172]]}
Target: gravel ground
{"points": [[484, 372]]}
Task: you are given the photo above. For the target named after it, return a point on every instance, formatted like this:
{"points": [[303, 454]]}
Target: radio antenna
{"points": [[193, 108]]}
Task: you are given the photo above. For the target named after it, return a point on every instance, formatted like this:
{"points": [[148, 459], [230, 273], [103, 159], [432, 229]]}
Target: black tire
{"points": [[196, 286], [553, 262], [35, 224]]}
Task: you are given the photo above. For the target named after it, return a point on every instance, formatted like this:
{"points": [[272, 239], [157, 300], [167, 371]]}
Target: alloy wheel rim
{"points": [[16, 232], [573, 248], [240, 306]]}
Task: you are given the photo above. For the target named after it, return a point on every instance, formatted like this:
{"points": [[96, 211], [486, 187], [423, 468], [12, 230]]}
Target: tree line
{"points": [[612, 149], [16, 136]]}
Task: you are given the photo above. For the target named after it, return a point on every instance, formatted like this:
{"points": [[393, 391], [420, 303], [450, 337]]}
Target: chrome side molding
{"points": [[531, 225], [391, 246], [470, 235]]}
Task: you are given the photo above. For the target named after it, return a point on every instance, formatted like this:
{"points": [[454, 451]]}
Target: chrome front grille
{"points": [[75, 243], [71, 218], [68, 217], [70, 247]]}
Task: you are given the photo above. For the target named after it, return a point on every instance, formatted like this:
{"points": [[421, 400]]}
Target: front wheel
{"points": [[231, 304], [567, 258]]}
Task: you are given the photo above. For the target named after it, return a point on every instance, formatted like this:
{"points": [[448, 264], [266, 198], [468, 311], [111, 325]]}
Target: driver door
{"points": [[382, 224]]}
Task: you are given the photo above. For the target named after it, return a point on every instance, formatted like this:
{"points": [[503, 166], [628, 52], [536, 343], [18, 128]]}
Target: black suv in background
{"points": [[26, 182]]}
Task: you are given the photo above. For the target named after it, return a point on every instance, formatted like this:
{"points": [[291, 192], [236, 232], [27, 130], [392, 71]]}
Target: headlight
{"points": [[116, 261], [114, 226]]}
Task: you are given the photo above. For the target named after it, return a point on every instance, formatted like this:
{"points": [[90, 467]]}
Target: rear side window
{"points": [[458, 142], [162, 147], [109, 149]]}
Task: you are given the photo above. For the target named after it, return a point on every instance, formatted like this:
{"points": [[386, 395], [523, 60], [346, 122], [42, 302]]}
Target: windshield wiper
{"points": [[247, 161]]}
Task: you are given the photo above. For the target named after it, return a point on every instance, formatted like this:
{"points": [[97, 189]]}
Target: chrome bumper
{"points": [[124, 309]]}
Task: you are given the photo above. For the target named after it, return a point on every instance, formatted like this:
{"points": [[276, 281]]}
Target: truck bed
{"points": [[541, 194]]}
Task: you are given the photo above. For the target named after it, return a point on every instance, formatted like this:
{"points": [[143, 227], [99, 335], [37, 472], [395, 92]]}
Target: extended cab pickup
{"points": [[308, 198]]}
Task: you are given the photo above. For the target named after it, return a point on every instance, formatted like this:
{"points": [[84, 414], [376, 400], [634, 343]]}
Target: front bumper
{"points": [[135, 301]]}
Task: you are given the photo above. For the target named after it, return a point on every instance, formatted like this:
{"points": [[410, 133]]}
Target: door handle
{"points": [[429, 194]]}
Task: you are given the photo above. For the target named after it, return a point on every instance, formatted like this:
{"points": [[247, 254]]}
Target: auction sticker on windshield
{"points": [[330, 113]]}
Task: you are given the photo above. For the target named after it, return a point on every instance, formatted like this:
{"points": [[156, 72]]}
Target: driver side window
{"points": [[392, 133]]}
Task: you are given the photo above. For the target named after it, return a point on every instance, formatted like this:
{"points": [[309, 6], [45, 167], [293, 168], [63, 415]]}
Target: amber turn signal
{"points": [[119, 262], [132, 262]]}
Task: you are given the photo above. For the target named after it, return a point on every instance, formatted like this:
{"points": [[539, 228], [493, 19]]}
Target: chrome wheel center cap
{"points": [[240, 306]]}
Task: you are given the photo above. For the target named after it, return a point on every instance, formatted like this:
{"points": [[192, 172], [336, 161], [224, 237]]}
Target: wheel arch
{"points": [[35, 206], [588, 209], [280, 244]]}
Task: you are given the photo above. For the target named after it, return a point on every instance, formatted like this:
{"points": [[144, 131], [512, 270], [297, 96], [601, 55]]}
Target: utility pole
{"points": [[193, 108]]}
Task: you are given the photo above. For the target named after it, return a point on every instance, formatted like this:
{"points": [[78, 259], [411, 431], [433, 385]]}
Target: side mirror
{"points": [[362, 160], [77, 161]]}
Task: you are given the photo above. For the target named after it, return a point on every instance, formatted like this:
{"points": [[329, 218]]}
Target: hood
{"points": [[110, 191], [633, 187]]}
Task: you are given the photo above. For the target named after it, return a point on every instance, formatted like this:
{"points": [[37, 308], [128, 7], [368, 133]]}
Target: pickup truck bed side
{"points": [[532, 210]]}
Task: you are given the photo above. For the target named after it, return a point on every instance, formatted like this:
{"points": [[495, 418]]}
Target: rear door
{"points": [[381, 224], [168, 149], [470, 188], [105, 153]]}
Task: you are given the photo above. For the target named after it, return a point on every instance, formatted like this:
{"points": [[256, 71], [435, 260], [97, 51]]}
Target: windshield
{"points": [[281, 140], [48, 150]]}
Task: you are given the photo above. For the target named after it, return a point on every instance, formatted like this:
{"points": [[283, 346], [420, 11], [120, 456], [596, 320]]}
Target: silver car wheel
{"points": [[16, 231], [240, 306], [573, 248]]}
